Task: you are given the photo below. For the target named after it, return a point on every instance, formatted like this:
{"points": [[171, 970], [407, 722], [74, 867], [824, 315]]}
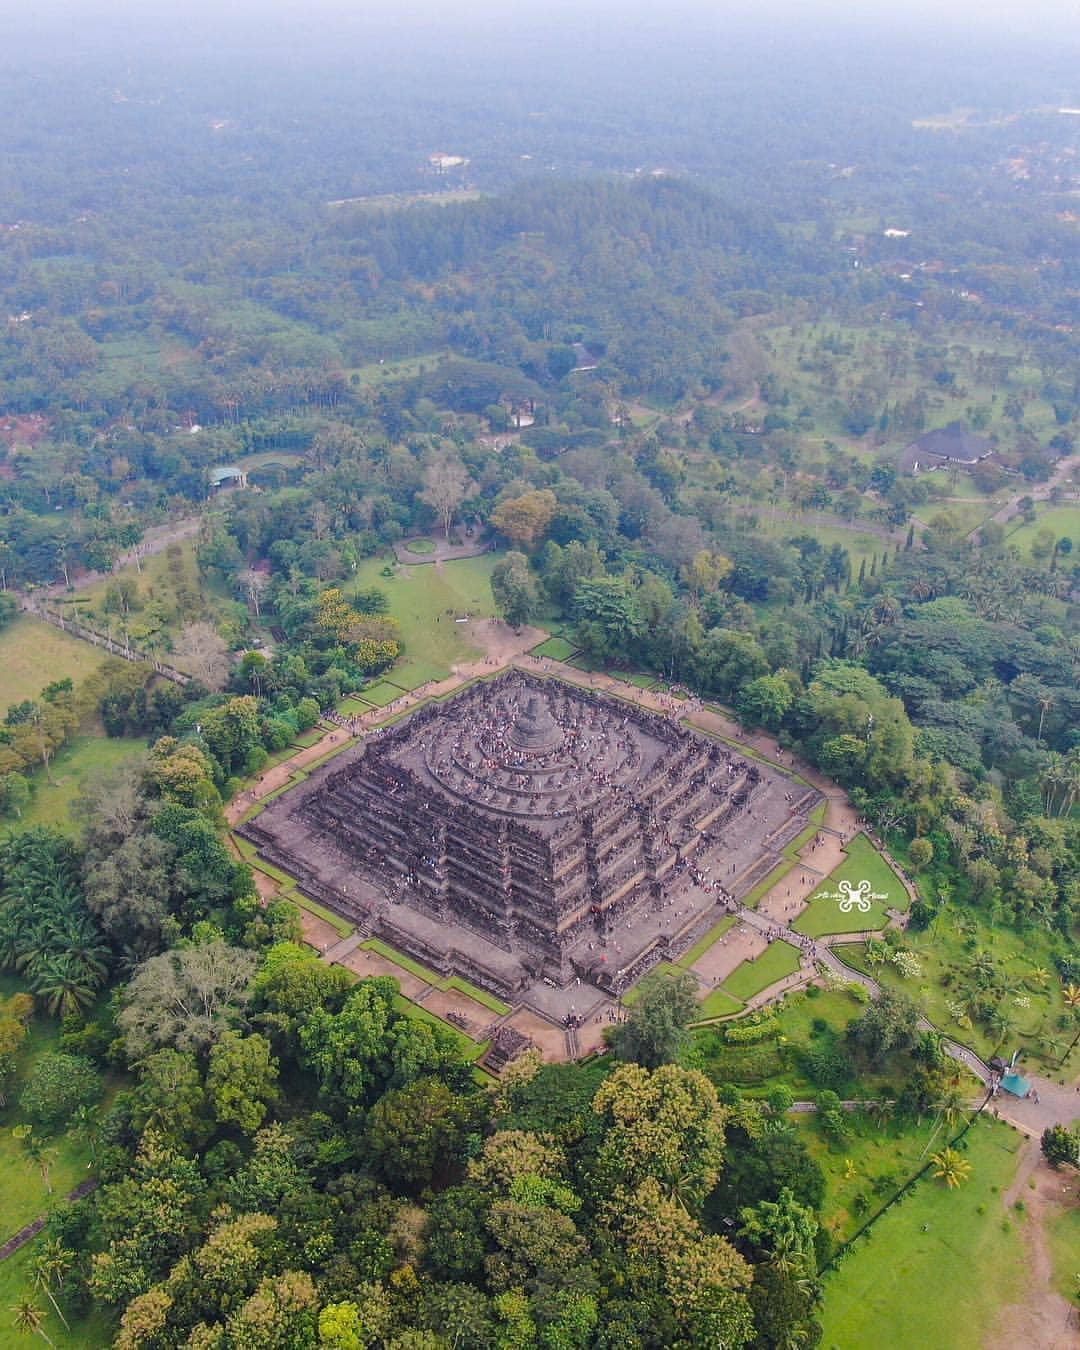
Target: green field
{"points": [[556, 648], [16, 1284], [1064, 521], [379, 694], [33, 653], [1063, 1234], [937, 1267], [777, 961], [864, 863], [426, 600], [72, 766], [720, 1004]]}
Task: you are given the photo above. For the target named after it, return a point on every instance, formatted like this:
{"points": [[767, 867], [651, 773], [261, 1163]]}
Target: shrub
{"points": [[58, 1086]]}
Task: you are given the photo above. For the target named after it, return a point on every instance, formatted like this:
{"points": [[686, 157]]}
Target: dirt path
{"points": [[155, 540], [1044, 1320]]}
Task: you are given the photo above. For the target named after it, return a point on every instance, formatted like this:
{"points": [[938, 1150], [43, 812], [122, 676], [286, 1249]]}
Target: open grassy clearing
{"points": [[777, 961], [864, 864], [72, 766], [1064, 521], [946, 953], [426, 601], [720, 1004], [33, 653], [958, 1249]]}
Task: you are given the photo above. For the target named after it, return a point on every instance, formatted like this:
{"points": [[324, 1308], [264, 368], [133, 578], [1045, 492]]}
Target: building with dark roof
{"points": [[938, 449]]}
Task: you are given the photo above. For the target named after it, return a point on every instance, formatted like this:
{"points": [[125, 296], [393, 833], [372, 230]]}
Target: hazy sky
{"points": [[1033, 18]]}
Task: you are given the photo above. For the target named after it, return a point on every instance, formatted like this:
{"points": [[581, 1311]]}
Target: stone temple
{"points": [[532, 836]]}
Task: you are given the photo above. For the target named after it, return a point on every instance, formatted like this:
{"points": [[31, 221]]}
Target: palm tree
{"points": [[64, 986], [52, 1263], [952, 1168], [38, 1153], [1039, 976], [1070, 996], [29, 1317], [882, 1110]]}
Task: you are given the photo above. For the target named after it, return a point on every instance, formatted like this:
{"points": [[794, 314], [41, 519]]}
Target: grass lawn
{"points": [[937, 1267], [426, 600], [778, 960], [16, 1284], [381, 693], [155, 581], [556, 648], [1063, 1234], [1063, 520], [864, 863], [32, 653], [421, 547], [23, 1194], [811, 1019], [720, 1004], [78, 761]]}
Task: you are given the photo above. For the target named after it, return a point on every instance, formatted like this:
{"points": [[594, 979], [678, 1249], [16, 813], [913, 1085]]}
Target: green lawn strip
{"points": [[863, 863], [956, 1248], [1063, 1238], [382, 693], [754, 896], [308, 738], [389, 953], [702, 945], [354, 706], [555, 649], [478, 995], [472, 1050], [720, 1004], [776, 962], [72, 766], [290, 888]]}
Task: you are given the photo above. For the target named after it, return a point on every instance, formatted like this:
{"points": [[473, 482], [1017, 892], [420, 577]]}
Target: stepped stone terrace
{"points": [[535, 838]]}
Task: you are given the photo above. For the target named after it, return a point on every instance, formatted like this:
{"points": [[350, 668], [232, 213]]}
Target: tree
{"points": [[515, 589], [29, 1317], [784, 1230], [765, 701], [667, 1125], [921, 852], [1061, 1146], [656, 1030], [186, 998], [203, 653], [58, 1085], [524, 520], [446, 485], [951, 1167], [416, 1134], [888, 1024], [242, 1080]]}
